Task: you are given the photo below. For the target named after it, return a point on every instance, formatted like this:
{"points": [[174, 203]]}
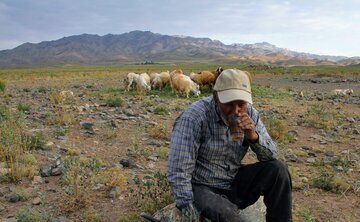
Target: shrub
{"points": [[30, 215], [113, 177], [36, 141], [276, 128], [91, 215], [115, 102], [329, 182], [318, 116], [2, 86], [42, 90], [159, 132], [163, 153], [13, 147], [151, 193], [23, 107], [161, 110], [60, 131], [306, 216]]}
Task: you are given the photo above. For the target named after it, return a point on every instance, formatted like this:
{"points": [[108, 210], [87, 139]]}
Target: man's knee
{"points": [[279, 167]]}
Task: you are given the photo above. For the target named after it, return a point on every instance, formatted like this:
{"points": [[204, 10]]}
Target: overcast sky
{"points": [[326, 27]]}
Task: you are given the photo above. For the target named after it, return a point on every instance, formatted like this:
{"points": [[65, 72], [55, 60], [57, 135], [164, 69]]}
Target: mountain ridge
{"points": [[138, 46]]}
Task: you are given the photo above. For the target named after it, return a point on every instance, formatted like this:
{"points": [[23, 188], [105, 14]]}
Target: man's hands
{"points": [[189, 213], [247, 125]]}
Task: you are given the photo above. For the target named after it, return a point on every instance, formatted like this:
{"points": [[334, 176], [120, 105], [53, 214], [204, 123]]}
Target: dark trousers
{"points": [[270, 179]]}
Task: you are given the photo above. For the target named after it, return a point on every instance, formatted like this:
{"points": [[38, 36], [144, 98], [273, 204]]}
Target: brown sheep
{"points": [[203, 78]]}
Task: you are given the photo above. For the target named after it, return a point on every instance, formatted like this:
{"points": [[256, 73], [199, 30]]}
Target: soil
{"points": [[113, 144]]}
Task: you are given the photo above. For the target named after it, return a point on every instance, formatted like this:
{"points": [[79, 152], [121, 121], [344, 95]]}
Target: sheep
{"points": [[203, 78], [156, 81], [152, 76], [342, 92], [217, 72], [181, 82], [143, 82], [172, 74], [146, 78], [130, 80], [161, 79]]}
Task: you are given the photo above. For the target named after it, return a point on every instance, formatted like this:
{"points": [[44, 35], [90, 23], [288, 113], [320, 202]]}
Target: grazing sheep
{"points": [[143, 82], [342, 92], [146, 78], [152, 76], [161, 79], [130, 80], [172, 74], [183, 83], [203, 78]]}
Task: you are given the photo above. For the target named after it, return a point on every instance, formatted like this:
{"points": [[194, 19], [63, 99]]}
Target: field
{"points": [[100, 155]]}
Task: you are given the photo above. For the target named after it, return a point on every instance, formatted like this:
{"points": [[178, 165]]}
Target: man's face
{"points": [[237, 107]]}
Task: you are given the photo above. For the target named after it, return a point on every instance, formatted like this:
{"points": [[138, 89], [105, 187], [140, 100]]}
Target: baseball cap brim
{"points": [[230, 95]]}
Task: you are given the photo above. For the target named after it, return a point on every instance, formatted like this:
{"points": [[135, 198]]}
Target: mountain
{"points": [[140, 46]]}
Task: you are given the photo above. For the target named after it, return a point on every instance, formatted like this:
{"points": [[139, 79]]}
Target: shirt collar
{"points": [[218, 117]]}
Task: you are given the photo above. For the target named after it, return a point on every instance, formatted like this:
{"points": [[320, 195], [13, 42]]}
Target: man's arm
{"points": [[182, 157]]}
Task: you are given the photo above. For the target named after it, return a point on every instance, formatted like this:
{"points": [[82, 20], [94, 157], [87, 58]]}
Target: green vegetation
{"points": [[150, 193], [23, 107], [115, 102], [330, 182], [319, 116], [161, 110], [29, 214], [306, 216], [14, 146], [270, 93], [2, 86]]}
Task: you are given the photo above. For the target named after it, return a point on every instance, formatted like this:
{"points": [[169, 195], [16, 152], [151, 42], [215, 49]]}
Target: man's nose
{"points": [[238, 108]]}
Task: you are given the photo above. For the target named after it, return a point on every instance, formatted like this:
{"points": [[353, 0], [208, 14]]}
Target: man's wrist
{"points": [[254, 138]]}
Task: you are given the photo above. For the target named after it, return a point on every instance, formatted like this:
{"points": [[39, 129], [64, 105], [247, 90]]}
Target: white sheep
{"points": [[183, 83], [130, 80], [161, 79], [342, 92], [143, 82]]}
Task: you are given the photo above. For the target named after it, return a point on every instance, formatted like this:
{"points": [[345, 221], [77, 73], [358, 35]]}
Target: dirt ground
{"points": [[135, 121]]}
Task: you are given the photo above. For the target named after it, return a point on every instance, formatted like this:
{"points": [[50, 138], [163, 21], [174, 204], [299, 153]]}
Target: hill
{"points": [[140, 46]]}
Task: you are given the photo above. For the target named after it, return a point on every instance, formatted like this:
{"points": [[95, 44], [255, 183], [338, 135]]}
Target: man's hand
{"points": [[248, 126], [189, 213]]}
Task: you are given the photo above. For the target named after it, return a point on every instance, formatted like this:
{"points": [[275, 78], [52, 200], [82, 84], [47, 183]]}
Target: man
{"points": [[204, 165]]}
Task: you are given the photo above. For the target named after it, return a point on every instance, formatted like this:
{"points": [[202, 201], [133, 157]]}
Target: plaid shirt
{"points": [[203, 152]]}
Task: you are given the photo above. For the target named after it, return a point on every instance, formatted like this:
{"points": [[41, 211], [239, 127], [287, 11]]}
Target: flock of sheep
{"points": [[178, 81]]}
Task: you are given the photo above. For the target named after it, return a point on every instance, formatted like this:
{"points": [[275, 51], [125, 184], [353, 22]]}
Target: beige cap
{"points": [[233, 84]]}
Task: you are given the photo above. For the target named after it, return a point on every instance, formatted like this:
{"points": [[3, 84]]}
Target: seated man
{"points": [[204, 165]]}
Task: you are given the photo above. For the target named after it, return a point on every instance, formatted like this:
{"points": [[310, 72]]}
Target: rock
{"points": [[154, 142], [113, 192], [48, 145], [14, 198], [129, 163], [45, 171], [36, 201], [37, 180], [87, 126]]}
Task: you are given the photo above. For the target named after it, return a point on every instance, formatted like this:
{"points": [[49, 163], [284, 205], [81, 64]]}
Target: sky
{"points": [[324, 27]]}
